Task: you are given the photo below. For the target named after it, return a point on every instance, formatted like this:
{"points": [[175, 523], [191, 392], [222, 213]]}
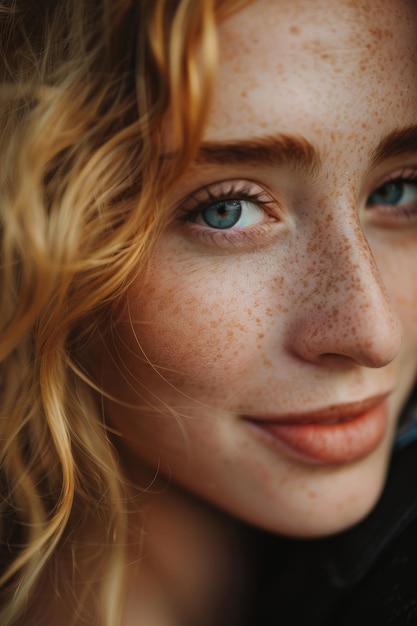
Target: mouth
{"points": [[336, 434]]}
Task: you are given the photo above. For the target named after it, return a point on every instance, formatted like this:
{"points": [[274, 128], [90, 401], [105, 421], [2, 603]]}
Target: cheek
{"points": [[201, 323], [184, 328], [398, 267]]}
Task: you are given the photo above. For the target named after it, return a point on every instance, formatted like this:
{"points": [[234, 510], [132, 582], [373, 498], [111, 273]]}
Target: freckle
{"points": [[258, 321], [267, 362], [279, 280], [294, 30], [260, 335], [312, 495]]}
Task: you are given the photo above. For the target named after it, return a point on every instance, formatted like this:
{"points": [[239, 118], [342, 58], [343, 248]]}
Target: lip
{"points": [[336, 434]]}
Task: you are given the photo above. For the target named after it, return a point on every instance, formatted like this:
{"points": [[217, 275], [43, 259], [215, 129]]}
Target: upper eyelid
{"points": [[231, 189], [404, 174], [408, 172], [236, 188]]}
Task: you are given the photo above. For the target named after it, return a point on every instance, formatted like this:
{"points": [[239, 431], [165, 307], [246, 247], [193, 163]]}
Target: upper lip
{"points": [[331, 413]]}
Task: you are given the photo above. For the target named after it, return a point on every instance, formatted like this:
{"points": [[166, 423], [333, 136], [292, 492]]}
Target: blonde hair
{"points": [[86, 89]]}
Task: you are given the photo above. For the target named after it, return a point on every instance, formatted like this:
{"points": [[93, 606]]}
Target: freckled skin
{"points": [[323, 315]]}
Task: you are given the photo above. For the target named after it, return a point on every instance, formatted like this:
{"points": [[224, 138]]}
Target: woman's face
{"points": [[267, 353]]}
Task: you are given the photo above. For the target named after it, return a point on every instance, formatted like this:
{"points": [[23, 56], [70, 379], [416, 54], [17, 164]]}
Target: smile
{"points": [[334, 435]]}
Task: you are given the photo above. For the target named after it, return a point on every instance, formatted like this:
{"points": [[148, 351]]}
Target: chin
{"points": [[319, 526], [329, 506]]}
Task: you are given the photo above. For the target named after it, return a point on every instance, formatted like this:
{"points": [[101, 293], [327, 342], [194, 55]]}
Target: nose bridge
{"points": [[346, 265], [347, 311]]}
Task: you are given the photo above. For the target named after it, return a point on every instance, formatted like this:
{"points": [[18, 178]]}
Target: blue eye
{"points": [[397, 191], [223, 214], [226, 214]]}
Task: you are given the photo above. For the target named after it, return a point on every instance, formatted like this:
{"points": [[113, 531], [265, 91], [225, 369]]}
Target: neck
{"points": [[188, 565], [193, 565]]}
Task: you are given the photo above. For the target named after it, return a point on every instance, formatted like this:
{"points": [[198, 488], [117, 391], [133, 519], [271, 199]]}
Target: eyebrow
{"points": [[270, 150], [292, 150], [284, 149], [400, 142]]}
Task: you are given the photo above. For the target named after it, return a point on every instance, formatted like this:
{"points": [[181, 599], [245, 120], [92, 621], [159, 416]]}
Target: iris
{"points": [[390, 193], [224, 214]]}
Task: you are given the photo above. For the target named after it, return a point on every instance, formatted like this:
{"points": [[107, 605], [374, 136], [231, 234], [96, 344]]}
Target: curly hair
{"points": [[86, 89]]}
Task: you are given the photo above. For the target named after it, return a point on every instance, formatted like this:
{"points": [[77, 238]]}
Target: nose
{"points": [[343, 310]]}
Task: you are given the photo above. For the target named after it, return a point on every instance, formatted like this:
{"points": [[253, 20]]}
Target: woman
{"points": [[209, 228]]}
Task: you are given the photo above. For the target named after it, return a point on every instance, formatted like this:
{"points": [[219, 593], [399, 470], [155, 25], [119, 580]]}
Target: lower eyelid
{"points": [[254, 237], [392, 217]]}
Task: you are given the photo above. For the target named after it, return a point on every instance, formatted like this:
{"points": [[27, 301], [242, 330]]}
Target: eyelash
{"points": [[205, 198], [195, 206]]}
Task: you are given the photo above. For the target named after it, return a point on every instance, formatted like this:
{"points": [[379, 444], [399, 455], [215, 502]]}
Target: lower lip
{"points": [[337, 443]]}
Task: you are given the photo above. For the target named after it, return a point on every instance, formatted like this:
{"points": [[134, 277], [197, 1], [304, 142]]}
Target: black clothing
{"points": [[365, 576]]}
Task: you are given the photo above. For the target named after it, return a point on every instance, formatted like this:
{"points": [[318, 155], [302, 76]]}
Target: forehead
{"points": [[286, 64]]}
